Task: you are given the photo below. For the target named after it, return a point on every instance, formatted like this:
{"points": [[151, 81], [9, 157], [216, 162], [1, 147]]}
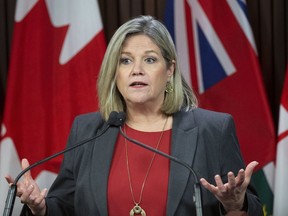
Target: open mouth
{"points": [[138, 84]]}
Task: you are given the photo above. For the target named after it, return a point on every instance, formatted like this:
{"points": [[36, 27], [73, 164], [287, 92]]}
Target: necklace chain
{"points": [[148, 170]]}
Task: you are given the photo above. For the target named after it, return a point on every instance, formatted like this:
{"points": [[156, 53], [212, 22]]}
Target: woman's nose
{"points": [[137, 68]]}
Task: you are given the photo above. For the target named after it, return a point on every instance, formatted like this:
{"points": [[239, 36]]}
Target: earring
{"points": [[169, 88]]}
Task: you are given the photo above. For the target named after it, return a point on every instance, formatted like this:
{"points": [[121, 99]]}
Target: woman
{"points": [[112, 176]]}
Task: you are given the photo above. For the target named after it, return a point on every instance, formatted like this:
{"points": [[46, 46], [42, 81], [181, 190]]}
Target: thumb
{"points": [[250, 168]]}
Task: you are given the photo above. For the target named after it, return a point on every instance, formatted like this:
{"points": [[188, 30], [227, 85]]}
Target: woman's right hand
{"points": [[29, 193]]}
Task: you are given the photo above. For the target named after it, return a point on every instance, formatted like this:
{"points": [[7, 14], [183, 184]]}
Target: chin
{"points": [[138, 99]]}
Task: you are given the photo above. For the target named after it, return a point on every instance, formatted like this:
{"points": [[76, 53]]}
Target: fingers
{"points": [[252, 165], [221, 187], [250, 168], [9, 179], [41, 197], [24, 186], [27, 175], [208, 186], [240, 178], [25, 196], [244, 176], [232, 193], [232, 181], [236, 184], [32, 196], [24, 163]]}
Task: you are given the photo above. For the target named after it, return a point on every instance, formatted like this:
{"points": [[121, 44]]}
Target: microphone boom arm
{"points": [[197, 199], [10, 200]]}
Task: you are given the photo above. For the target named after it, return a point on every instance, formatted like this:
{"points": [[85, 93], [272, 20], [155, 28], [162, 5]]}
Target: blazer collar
{"points": [[183, 147], [100, 168]]}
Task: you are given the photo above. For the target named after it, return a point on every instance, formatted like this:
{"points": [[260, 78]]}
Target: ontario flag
{"points": [[281, 174], [218, 57], [56, 54]]}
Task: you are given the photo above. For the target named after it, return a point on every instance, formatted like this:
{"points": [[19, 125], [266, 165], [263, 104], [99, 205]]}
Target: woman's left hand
{"points": [[232, 193]]}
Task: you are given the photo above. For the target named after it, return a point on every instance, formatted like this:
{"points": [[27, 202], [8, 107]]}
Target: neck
{"points": [[148, 122]]}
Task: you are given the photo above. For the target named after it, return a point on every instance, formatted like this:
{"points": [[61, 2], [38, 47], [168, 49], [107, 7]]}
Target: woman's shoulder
{"points": [[200, 116], [87, 124], [88, 119], [90, 115], [204, 113]]}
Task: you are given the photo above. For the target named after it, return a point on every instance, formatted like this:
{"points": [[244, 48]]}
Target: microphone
{"points": [[197, 198], [114, 120]]}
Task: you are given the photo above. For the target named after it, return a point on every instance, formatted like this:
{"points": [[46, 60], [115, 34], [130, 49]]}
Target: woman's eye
{"points": [[124, 61], [150, 60]]}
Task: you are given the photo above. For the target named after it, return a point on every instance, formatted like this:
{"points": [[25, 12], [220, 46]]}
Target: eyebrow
{"points": [[146, 52]]}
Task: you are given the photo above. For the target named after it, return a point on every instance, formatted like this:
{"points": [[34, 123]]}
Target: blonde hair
{"points": [[110, 99]]}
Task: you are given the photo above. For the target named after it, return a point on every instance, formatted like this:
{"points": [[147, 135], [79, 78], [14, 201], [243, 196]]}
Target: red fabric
{"points": [[154, 197], [44, 96], [242, 93]]}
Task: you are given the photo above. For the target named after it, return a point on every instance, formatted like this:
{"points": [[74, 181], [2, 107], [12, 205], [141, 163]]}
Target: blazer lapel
{"points": [[183, 147], [101, 162]]}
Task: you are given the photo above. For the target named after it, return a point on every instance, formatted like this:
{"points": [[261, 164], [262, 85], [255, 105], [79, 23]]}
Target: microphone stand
{"points": [[115, 119], [10, 200], [197, 199]]}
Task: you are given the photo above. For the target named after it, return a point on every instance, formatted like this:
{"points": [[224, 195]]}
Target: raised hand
{"points": [[29, 192], [232, 193]]}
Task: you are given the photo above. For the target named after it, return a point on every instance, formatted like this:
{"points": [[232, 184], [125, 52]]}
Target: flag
{"points": [[57, 50], [218, 58], [281, 172]]}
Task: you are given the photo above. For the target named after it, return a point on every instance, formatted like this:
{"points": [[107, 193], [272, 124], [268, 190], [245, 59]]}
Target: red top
{"points": [[155, 191]]}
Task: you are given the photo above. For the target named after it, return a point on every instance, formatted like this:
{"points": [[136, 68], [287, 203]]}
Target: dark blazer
{"points": [[203, 139]]}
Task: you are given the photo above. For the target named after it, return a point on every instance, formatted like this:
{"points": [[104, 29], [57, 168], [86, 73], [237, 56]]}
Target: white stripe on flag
{"points": [[214, 40], [10, 164], [243, 22], [283, 120], [181, 40], [269, 171], [281, 187]]}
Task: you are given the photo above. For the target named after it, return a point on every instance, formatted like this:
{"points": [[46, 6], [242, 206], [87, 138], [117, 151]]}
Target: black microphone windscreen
{"points": [[113, 118], [121, 118], [116, 119]]}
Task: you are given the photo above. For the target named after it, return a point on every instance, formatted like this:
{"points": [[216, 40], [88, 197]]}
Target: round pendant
{"points": [[136, 210]]}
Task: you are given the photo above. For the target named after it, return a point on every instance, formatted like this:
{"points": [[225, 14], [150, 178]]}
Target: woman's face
{"points": [[142, 72]]}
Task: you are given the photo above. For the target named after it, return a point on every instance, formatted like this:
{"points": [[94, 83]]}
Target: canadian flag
{"points": [[57, 50]]}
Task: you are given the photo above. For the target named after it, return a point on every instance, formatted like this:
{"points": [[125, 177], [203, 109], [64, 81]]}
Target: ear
{"points": [[171, 69]]}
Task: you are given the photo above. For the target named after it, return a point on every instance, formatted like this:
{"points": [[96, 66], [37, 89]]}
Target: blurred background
{"points": [[268, 19], [27, 48]]}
